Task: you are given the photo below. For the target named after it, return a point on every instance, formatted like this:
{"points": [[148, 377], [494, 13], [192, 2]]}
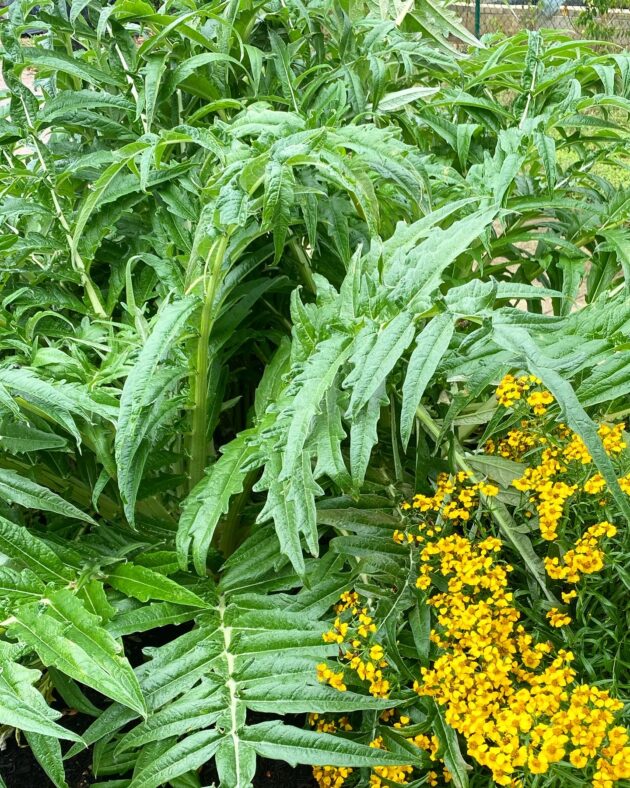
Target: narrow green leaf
{"points": [[47, 751], [143, 583], [24, 707], [17, 489], [187, 754], [277, 202], [451, 753], [431, 344], [391, 342], [285, 742], [132, 427]]}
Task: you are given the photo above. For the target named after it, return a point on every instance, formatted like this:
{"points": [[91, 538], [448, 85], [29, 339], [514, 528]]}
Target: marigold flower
{"points": [[558, 619]]}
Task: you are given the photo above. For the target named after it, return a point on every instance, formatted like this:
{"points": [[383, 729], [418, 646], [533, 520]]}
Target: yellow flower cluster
{"points": [[330, 776], [395, 774], [328, 676], [611, 437], [539, 401], [557, 618], [511, 388], [548, 494], [454, 499], [381, 776], [585, 558], [514, 445], [515, 712], [365, 659]]}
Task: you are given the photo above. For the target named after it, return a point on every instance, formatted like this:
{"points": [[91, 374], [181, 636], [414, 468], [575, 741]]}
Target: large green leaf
{"points": [[24, 707], [64, 634], [133, 423]]}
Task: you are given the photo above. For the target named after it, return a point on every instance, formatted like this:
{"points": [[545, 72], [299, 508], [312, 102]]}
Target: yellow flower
{"points": [[558, 619], [537, 764], [578, 759], [376, 652], [539, 401]]}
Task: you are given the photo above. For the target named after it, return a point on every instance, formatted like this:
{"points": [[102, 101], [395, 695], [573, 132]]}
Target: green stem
{"points": [[199, 379]]}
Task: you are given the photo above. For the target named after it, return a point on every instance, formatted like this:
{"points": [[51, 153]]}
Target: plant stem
{"points": [[199, 380]]}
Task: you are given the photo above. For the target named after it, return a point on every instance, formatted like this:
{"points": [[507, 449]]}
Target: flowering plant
{"points": [[488, 664], [260, 264]]}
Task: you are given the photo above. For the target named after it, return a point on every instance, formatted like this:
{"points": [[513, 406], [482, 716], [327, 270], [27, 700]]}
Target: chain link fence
{"points": [[576, 17]]}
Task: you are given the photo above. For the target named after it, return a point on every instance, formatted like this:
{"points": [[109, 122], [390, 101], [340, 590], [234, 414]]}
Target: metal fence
{"points": [[573, 16]]}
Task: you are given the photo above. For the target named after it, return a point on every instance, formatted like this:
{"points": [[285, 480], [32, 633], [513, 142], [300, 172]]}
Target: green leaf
{"points": [[47, 751], [285, 742], [18, 543], [400, 98], [316, 378], [24, 707], [296, 697], [277, 202], [431, 344], [143, 583], [181, 717], [19, 438], [188, 754], [450, 751], [547, 150], [94, 199], [67, 102], [210, 499], [153, 75], [58, 61], [391, 342], [193, 65], [132, 422], [16, 489], [364, 435], [66, 635]]}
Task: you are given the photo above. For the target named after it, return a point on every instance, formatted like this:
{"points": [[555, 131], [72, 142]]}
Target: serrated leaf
{"points": [[24, 707], [132, 428], [17, 489], [210, 499], [18, 543], [391, 342], [187, 754], [364, 435], [277, 202], [285, 742], [431, 344], [143, 583], [47, 752], [317, 377], [19, 438], [65, 635]]}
